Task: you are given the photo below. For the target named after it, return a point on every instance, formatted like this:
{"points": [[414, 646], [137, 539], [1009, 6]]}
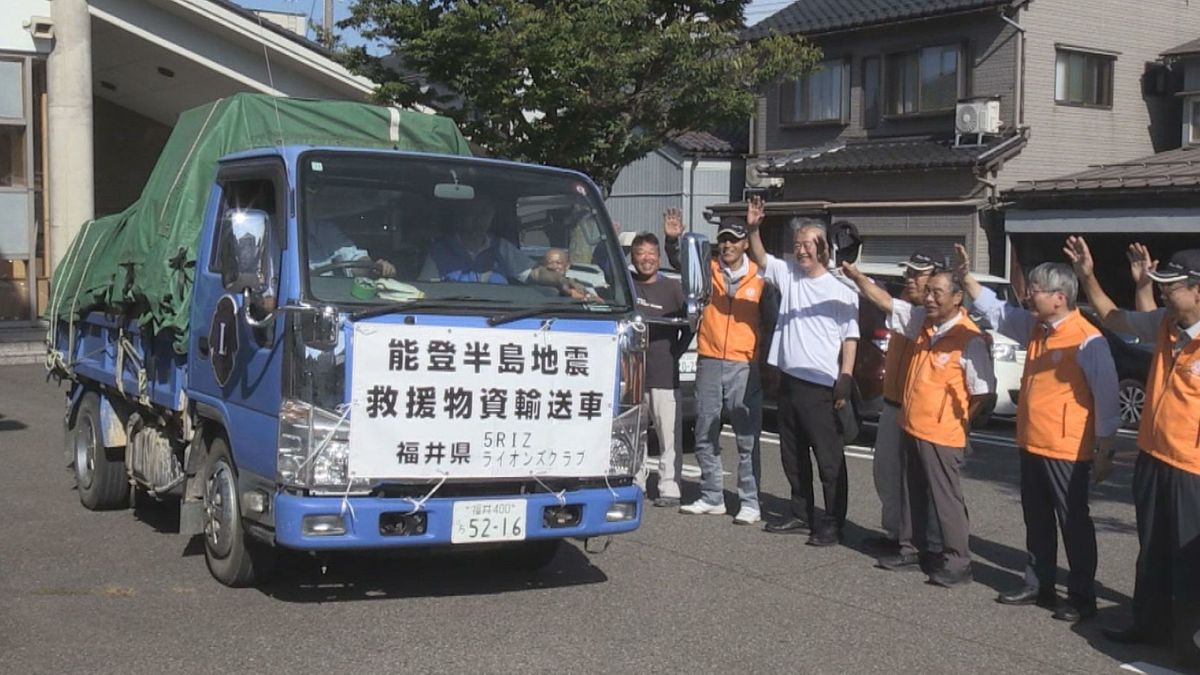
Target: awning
{"points": [[1111, 221]]}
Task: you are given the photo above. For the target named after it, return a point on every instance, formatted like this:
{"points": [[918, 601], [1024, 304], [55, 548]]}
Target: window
{"points": [[819, 96], [922, 80], [871, 83], [1083, 78], [1194, 115]]}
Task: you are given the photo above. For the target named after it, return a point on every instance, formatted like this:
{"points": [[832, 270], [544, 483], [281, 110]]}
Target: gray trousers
{"points": [[732, 388], [664, 411], [887, 470], [932, 476]]}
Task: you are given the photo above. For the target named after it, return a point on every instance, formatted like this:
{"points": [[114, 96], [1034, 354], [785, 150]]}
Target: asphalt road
{"points": [[119, 592]]}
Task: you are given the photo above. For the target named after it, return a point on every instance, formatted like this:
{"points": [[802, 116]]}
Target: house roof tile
{"points": [[822, 16], [1184, 49], [894, 154], [707, 143], [1173, 169]]}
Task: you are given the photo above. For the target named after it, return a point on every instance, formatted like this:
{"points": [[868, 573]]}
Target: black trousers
{"points": [[807, 420], [1057, 490], [932, 478], [1166, 592]]}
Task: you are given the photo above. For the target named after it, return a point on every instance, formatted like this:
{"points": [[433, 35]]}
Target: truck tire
{"points": [[529, 556], [232, 558], [99, 471]]}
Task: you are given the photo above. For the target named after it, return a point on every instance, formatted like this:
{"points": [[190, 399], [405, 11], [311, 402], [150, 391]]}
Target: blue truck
{"points": [[378, 352]]}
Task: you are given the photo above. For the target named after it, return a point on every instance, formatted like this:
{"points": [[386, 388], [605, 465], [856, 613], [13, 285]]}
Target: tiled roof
{"points": [[821, 16], [895, 154], [706, 143], [1192, 47], [1173, 169]]}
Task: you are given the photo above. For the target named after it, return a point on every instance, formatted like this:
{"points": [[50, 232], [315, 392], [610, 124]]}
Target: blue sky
{"points": [[758, 9]]}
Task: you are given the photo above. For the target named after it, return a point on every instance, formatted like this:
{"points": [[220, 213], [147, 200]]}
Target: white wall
{"points": [[13, 36]]}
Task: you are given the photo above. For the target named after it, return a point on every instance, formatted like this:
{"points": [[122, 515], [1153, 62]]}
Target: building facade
{"points": [[89, 92], [870, 136]]}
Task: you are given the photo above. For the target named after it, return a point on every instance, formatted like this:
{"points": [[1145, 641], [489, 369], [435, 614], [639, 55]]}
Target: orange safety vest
{"points": [[1055, 413], [936, 401], [730, 325], [1170, 428], [900, 353]]}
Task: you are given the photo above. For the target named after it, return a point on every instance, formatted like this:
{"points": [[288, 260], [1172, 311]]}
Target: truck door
{"points": [[235, 366]]}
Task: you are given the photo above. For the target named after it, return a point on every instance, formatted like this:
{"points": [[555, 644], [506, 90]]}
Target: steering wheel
{"points": [[361, 264]]}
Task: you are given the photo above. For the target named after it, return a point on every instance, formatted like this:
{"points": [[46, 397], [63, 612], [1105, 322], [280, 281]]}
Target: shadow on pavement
{"points": [[11, 425], [375, 576]]}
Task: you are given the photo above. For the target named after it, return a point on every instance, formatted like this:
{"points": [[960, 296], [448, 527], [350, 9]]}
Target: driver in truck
{"points": [[329, 245]]}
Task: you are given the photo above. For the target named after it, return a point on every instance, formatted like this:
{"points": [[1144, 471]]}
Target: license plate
{"points": [[488, 520]]}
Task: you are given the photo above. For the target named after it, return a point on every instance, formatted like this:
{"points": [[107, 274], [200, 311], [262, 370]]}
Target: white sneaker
{"points": [[698, 507], [747, 516]]}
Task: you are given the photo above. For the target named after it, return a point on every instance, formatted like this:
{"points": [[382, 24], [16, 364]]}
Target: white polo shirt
{"points": [[816, 314]]}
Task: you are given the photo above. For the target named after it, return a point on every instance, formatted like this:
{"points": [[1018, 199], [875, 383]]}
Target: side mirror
{"points": [[243, 251], [695, 254]]}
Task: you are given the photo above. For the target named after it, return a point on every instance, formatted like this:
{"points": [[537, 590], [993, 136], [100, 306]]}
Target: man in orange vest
{"points": [[1067, 421], [918, 269], [1166, 477], [949, 381], [727, 377]]}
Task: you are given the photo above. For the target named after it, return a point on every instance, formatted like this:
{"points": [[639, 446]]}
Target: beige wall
{"points": [[1067, 139]]}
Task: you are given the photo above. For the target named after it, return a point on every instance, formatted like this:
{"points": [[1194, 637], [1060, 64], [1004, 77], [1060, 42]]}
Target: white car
{"points": [[1007, 356]]}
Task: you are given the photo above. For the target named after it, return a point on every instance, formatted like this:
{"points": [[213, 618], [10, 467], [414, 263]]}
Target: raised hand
{"points": [[1080, 255], [673, 223], [852, 273], [962, 261], [755, 212], [1140, 263]]}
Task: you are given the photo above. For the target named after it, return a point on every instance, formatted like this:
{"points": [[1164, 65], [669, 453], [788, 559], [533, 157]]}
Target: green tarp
{"points": [[140, 262]]}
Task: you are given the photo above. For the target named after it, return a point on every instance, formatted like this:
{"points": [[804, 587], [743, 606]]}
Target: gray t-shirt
{"points": [[663, 298]]}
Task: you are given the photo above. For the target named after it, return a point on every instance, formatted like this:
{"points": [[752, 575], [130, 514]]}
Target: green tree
{"points": [[587, 84]]}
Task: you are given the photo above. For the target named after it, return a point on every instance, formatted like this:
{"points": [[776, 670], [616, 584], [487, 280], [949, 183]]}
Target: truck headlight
{"points": [[1005, 352], [314, 447], [628, 440]]}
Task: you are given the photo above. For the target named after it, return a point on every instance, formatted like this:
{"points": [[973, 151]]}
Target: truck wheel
{"points": [[99, 471], [232, 558], [529, 556]]}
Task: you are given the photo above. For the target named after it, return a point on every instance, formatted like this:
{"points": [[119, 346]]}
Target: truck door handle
{"points": [[202, 346]]}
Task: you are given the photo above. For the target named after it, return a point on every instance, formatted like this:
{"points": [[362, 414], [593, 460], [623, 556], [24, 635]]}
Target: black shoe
{"points": [[791, 525], [1075, 608], [1134, 635], [882, 544], [901, 562], [667, 502], [948, 579], [825, 536], [1030, 595]]}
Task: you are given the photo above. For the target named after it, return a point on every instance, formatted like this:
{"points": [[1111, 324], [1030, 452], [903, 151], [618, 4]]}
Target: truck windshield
{"points": [[445, 232]]}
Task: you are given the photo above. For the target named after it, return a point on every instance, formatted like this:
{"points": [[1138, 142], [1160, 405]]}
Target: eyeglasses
{"points": [[728, 239], [1031, 291], [810, 244]]}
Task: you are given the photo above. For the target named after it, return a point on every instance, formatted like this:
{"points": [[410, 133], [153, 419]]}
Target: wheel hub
{"points": [[219, 510], [85, 452]]}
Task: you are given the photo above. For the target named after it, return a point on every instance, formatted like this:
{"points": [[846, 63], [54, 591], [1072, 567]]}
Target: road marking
{"points": [[857, 451], [1147, 669]]}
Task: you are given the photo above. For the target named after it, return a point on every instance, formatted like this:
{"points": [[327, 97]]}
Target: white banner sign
{"points": [[477, 403]]}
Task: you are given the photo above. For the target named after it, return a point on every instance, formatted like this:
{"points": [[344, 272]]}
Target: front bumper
{"points": [[362, 518]]}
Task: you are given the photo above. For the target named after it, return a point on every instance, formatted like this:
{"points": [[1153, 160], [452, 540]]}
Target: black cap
{"points": [[734, 229], [923, 261], [1183, 265]]}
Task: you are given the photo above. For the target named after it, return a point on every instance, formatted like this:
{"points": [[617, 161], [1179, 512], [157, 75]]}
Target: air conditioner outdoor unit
{"points": [[755, 177], [977, 117]]}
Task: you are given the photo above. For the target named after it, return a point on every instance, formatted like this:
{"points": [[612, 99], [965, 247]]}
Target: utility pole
{"points": [[329, 24]]}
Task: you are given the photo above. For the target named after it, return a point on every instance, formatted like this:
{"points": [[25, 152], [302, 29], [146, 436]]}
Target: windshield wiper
{"points": [[556, 309], [449, 302]]}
